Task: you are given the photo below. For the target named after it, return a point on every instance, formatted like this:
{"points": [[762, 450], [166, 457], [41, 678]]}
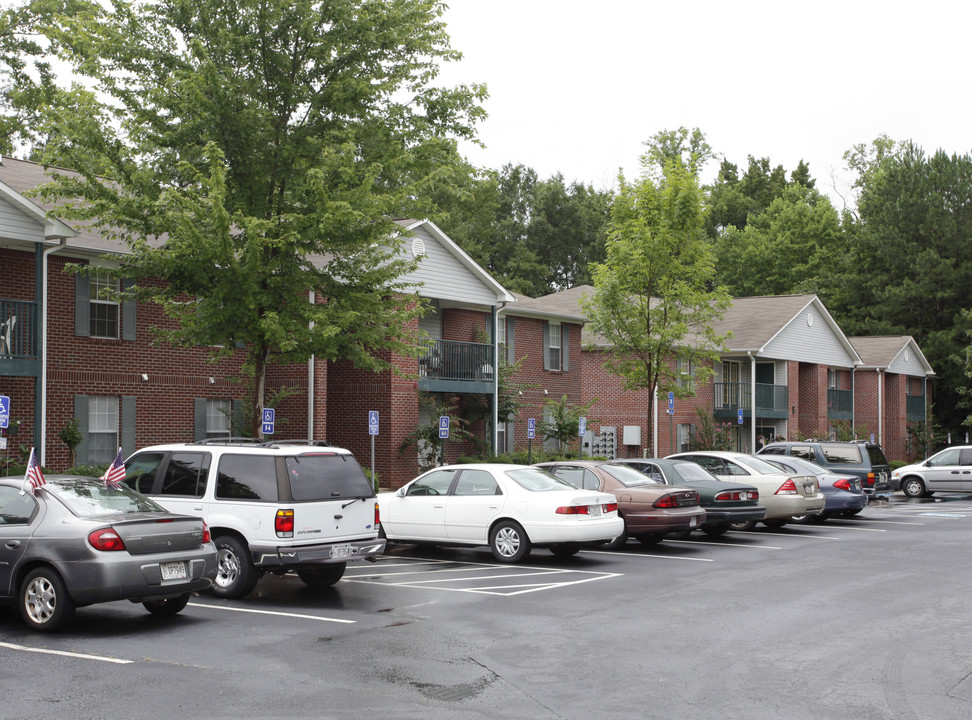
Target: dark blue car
{"points": [[844, 495]]}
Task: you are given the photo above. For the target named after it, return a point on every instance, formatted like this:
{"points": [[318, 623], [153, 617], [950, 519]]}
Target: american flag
{"points": [[115, 472], [34, 475]]}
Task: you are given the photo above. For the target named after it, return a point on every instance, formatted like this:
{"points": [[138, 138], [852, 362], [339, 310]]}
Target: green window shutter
{"points": [[239, 419], [127, 426], [546, 346], [81, 413], [199, 413], [564, 344], [510, 351], [82, 306], [510, 436], [128, 313]]}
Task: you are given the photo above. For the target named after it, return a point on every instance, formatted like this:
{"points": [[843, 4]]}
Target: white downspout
{"points": [[496, 362], [654, 426], [880, 408], [752, 401], [42, 455]]}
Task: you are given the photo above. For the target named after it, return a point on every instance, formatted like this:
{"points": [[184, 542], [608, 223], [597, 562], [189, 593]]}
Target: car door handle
{"points": [[13, 544], [197, 507], [438, 507]]}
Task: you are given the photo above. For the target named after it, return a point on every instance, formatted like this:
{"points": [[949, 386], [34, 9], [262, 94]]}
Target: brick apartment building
{"points": [[66, 353]]}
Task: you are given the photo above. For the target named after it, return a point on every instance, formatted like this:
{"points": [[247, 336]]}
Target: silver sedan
{"points": [[75, 541]]}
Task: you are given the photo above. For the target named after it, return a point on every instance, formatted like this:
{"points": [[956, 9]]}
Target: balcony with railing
{"points": [[840, 404], [915, 408], [452, 366], [772, 401], [19, 346]]}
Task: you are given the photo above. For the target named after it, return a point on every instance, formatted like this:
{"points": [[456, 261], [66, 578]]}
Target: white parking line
{"points": [[722, 544], [860, 529], [270, 612], [82, 656], [882, 520], [645, 555], [789, 535], [491, 590]]}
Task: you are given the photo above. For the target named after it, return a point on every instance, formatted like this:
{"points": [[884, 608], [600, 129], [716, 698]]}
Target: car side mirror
{"points": [[400, 492]]}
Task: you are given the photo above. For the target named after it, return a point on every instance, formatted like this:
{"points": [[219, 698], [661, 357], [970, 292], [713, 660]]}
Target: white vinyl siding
{"points": [[813, 342], [19, 226], [443, 276]]}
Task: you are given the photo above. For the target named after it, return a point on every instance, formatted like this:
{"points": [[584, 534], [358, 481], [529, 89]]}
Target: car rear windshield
{"points": [[628, 476], [842, 453], [876, 455], [327, 476], [86, 497], [536, 480]]}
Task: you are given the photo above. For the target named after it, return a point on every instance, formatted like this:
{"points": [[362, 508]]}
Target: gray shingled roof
{"points": [[879, 351]]}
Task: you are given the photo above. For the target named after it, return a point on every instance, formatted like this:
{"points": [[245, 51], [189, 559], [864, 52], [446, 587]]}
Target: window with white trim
{"points": [[103, 318], [219, 418], [102, 430], [553, 347], [685, 371], [501, 330]]}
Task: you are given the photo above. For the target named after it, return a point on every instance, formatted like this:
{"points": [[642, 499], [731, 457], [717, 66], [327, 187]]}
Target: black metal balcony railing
{"points": [[449, 360], [770, 399], [18, 335], [840, 404], [915, 408]]}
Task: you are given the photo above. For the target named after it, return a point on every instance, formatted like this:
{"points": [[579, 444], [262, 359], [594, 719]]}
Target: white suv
{"points": [[283, 506]]}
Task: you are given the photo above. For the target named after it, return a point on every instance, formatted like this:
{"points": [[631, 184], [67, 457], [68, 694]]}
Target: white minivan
{"points": [[947, 471]]}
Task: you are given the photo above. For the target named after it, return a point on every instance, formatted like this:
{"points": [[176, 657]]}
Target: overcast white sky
{"points": [[577, 86]]}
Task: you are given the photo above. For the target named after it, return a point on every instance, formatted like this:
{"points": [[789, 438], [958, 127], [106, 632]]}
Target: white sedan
{"points": [[511, 508]]}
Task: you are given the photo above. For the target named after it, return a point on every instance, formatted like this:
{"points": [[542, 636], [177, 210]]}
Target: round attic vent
{"points": [[418, 247]]}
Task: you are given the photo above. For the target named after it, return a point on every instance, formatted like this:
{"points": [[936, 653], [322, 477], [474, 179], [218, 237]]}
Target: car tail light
{"points": [[609, 507], [377, 517], [105, 539], [843, 484], [870, 478], [737, 495], [665, 501], [787, 488], [573, 510], [283, 524], [207, 536]]}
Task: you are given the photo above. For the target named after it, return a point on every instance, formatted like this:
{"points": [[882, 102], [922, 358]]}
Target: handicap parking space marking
{"points": [[646, 555], [64, 653], [271, 612], [448, 575]]}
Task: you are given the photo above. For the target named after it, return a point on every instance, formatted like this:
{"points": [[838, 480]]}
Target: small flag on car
{"points": [[34, 475], [115, 472]]}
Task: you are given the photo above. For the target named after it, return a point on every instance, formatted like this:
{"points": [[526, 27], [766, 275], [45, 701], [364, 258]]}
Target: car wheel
{"points": [[913, 487], [715, 530], [509, 542], [679, 534], [619, 542], [775, 524], [565, 550], [167, 606], [650, 538], [747, 525], [235, 574], [819, 518], [805, 518], [45, 604], [322, 577]]}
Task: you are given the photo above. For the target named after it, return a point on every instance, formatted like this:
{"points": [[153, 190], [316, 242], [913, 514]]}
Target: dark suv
{"points": [[860, 459]]}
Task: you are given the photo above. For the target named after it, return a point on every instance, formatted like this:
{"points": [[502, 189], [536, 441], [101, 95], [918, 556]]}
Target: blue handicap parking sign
{"points": [[444, 427], [4, 411], [372, 422]]}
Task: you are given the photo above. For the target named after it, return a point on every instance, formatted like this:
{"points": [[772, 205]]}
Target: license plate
{"points": [[173, 570], [340, 551], [692, 522], [594, 510]]}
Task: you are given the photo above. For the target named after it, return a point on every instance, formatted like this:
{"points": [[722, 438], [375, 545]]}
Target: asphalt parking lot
{"points": [[859, 618]]}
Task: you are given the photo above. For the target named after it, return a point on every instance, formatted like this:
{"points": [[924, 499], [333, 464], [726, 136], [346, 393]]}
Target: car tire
{"points": [[680, 534], [619, 542], [45, 604], [747, 525], [322, 577], [167, 606], [913, 487], [775, 524], [565, 550], [508, 542], [716, 530], [650, 538], [804, 519], [235, 574]]}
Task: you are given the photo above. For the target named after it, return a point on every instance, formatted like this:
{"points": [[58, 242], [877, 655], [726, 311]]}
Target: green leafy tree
{"points": [[909, 266], [268, 144], [564, 421], [653, 294], [709, 434]]}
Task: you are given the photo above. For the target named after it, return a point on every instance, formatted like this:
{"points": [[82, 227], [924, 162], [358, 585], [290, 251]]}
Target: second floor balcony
{"points": [[772, 401], [915, 408], [452, 366], [840, 404], [19, 344]]}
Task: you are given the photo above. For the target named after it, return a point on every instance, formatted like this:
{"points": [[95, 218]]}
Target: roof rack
{"points": [[228, 441], [302, 441]]}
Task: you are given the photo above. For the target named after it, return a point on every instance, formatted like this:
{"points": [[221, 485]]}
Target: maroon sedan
{"points": [[650, 510]]}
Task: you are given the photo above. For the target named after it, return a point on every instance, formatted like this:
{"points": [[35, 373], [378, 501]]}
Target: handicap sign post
{"points": [[268, 420], [581, 431], [443, 434], [531, 433], [739, 416], [4, 411], [372, 431]]}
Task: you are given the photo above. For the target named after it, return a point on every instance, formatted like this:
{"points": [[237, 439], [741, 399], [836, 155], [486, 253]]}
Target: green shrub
{"points": [[895, 464]]}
